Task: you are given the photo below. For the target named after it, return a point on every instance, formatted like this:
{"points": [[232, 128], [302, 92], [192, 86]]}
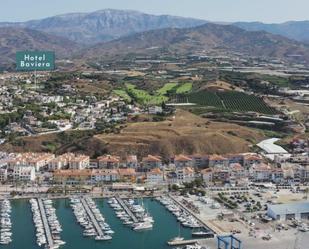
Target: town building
{"points": [[131, 161], [207, 176], [186, 174], [200, 161], [108, 162], [79, 162], [218, 161], [182, 161], [23, 174], [37, 160], [155, 176], [151, 162], [251, 160]]}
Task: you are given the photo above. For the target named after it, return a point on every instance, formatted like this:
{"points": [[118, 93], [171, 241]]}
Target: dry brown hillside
{"points": [[184, 133]]}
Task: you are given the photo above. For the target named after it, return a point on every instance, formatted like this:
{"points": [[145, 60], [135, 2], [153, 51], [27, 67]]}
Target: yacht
{"points": [[143, 226]]}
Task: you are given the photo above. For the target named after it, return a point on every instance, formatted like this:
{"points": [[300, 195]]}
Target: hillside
{"points": [[186, 133], [297, 30], [104, 25], [203, 38], [14, 39]]}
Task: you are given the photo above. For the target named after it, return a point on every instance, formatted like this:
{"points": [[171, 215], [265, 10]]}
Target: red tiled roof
{"points": [[151, 158], [182, 158]]}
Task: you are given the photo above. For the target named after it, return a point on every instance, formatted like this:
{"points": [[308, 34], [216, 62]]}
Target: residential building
{"points": [[218, 161], [200, 161], [127, 174], [151, 162], [186, 174], [155, 176], [23, 173], [235, 158], [79, 162], [104, 175], [207, 175], [36, 160], [261, 172], [221, 174], [251, 160], [108, 162], [60, 162], [277, 175], [131, 161], [182, 161]]}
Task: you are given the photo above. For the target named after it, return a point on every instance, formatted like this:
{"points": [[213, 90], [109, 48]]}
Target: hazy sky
{"points": [[213, 10]]}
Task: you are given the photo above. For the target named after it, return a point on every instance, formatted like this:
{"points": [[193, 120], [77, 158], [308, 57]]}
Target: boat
{"points": [[143, 226], [202, 234]]}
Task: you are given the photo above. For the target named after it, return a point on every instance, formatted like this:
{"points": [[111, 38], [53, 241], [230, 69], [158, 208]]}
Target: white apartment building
{"points": [[23, 173]]}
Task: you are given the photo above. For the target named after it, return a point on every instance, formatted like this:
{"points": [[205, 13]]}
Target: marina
{"points": [[24, 233]]}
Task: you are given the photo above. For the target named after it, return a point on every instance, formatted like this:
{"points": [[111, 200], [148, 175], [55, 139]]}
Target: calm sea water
{"points": [[165, 228]]}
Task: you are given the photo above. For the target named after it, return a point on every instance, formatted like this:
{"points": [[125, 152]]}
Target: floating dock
{"points": [[128, 211], [93, 219], [48, 234], [183, 242]]}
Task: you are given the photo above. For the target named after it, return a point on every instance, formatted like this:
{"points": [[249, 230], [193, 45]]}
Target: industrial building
{"points": [[299, 210]]}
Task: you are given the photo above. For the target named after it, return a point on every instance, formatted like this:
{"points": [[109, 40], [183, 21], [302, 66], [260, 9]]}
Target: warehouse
{"points": [[299, 210]]}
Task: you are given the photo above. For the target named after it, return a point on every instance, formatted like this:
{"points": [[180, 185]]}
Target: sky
{"points": [[269, 11]]}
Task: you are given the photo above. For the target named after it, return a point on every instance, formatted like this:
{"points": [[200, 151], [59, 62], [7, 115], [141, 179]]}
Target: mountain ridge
{"points": [[205, 37], [104, 25], [297, 30]]}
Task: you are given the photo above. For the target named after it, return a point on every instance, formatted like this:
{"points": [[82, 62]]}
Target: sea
{"points": [[165, 228]]}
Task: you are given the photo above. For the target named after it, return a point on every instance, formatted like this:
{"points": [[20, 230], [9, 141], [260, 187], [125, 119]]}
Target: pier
{"points": [[48, 234], [205, 225], [128, 211], [93, 219], [183, 242]]}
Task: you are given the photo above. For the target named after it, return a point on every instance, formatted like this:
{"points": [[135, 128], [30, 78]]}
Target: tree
{"points": [[306, 191]]}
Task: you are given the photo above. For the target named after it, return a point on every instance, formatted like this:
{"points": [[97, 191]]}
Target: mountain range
{"points": [[112, 32], [202, 38], [104, 25]]}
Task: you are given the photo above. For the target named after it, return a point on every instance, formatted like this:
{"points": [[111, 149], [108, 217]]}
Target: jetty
{"points": [[182, 242], [204, 223], [48, 234], [93, 219], [128, 211]]}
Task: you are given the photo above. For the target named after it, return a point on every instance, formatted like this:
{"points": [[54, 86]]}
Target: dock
{"points": [[205, 225], [48, 234], [93, 219], [128, 211], [183, 242]]}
